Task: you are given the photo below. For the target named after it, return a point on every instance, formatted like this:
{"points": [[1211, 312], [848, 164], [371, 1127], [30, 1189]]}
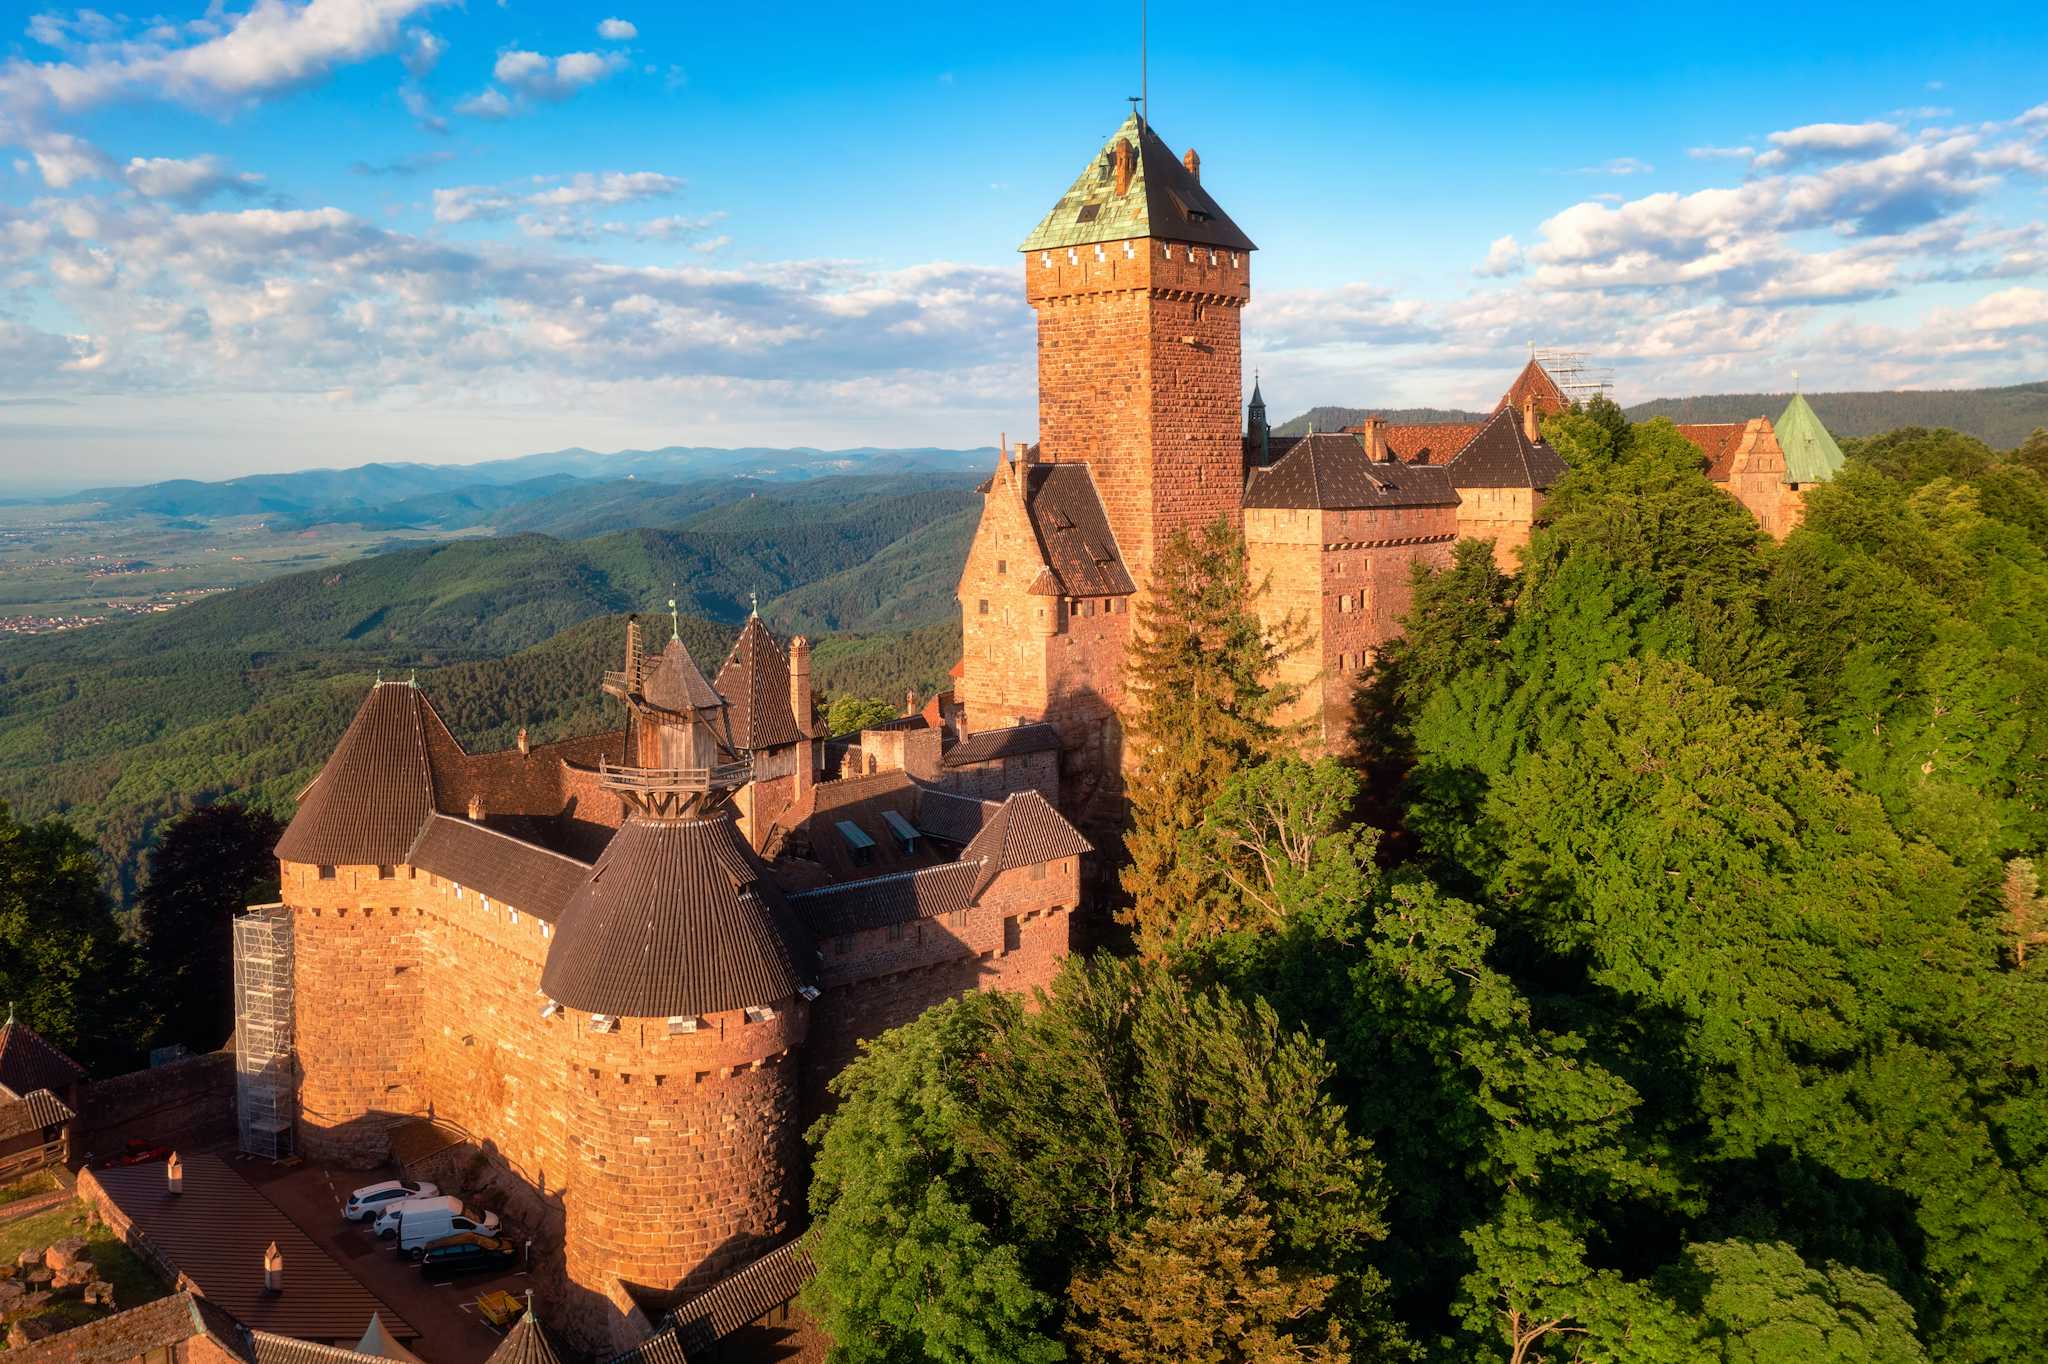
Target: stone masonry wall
{"points": [[1140, 373], [187, 1103], [358, 987], [1343, 575], [1502, 515]]}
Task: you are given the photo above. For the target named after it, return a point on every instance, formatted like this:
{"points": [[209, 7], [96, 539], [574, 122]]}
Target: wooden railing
{"points": [[688, 780]]}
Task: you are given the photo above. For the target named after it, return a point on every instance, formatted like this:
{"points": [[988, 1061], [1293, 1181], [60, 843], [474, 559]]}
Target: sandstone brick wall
{"points": [[1038, 772], [1503, 515], [1344, 575], [1756, 479], [1140, 371], [186, 1103], [358, 990]]}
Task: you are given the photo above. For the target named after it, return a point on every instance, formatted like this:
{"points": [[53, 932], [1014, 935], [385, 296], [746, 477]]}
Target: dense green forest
{"points": [[1686, 1006], [243, 695]]}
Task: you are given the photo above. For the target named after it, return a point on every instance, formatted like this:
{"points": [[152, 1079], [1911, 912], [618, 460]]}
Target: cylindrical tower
{"points": [[686, 980]]}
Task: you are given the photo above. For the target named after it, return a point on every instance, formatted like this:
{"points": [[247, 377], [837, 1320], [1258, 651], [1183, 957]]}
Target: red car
{"points": [[139, 1152]]}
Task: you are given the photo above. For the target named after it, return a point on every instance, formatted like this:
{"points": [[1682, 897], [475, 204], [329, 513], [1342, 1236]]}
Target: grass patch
{"points": [[134, 1281], [30, 1186]]}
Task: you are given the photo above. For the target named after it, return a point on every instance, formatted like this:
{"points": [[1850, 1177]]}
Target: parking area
{"points": [[444, 1312]]}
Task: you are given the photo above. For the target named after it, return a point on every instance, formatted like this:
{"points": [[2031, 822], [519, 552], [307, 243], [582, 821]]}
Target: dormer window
{"points": [[758, 1013], [682, 1024], [603, 1023], [859, 847]]}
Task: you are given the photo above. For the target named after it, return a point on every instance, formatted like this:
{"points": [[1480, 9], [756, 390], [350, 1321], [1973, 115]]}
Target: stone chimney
{"points": [[1193, 163], [910, 701], [523, 749], [1123, 167], [1530, 426], [476, 809], [174, 1174], [273, 1270], [1376, 439], [800, 682]]}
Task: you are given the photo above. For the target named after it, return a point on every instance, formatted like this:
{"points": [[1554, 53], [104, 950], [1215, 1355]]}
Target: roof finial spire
{"points": [[675, 621], [754, 603], [1795, 381], [414, 679]]}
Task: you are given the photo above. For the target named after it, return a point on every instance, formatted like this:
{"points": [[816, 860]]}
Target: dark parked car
{"points": [[467, 1252]]}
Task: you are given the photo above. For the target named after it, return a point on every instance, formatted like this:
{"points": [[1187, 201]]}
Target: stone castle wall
{"points": [[1502, 515], [1343, 577], [1140, 374]]}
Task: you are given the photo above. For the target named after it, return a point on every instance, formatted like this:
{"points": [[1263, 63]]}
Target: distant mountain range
{"points": [[449, 496], [2000, 417]]}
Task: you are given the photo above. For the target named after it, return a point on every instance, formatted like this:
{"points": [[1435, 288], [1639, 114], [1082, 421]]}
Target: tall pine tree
{"points": [[1204, 699]]}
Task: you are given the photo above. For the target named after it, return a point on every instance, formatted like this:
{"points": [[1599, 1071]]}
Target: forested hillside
{"points": [[2000, 417], [1673, 988], [242, 695]]}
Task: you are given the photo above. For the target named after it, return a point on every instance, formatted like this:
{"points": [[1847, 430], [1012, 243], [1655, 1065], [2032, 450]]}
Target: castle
{"points": [[1139, 279], [625, 965]]}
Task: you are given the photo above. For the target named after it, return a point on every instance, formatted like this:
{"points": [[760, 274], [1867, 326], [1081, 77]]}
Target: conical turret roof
{"points": [[525, 1343], [754, 681], [678, 918], [377, 789], [1811, 455], [1163, 200], [675, 683], [1534, 382]]}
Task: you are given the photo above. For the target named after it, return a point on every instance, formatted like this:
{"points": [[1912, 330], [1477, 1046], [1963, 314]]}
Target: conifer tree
{"points": [[2026, 909], [1201, 679], [1192, 1285]]}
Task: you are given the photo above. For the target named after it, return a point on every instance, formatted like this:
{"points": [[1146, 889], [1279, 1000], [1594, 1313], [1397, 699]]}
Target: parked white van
{"points": [[417, 1221]]}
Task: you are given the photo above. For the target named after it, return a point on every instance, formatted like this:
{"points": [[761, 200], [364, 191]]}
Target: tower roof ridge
{"points": [[1162, 199]]}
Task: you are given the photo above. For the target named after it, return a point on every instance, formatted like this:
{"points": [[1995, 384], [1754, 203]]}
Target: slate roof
{"points": [[1534, 382], [900, 897], [268, 1347], [663, 1347], [808, 827], [1013, 741], [214, 1233], [1024, 831], [28, 1062], [1162, 201], [1811, 455], [955, 818], [678, 917], [675, 684], [376, 790], [1718, 442], [1503, 456], [509, 870], [525, 1343], [1075, 543], [139, 1331], [743, 1297], [33, 1112], [1428, 442], [754, 680], [1330, 471]]}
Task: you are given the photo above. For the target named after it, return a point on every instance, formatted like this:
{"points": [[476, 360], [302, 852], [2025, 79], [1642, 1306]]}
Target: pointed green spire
{"points": [[1162, 198], [1811, 455]]}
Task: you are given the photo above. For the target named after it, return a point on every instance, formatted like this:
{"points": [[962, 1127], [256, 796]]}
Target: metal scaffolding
{"points": [[1574, 374], [266, 1097]]}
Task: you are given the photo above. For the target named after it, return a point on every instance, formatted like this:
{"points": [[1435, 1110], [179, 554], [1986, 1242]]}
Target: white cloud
{"points": [[1720, 153], [187, 181], [1504, 257], [64, 160], [550, 78], [1620, 165], [272, 46], [553, 210], [489, 103], [617, 31], [423, 52], [1826, 141]]}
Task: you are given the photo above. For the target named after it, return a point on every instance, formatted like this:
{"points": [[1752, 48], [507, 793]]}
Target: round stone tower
{"points": [[687, 981]]}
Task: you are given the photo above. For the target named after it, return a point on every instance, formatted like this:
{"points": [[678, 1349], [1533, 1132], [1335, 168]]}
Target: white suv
{"points": [[372, 1199]]}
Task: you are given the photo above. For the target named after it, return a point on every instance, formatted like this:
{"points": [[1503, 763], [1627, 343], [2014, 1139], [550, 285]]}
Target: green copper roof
{"points": [[1811, 455], [1163, 201]]}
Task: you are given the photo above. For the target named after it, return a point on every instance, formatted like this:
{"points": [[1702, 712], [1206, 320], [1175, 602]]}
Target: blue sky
{"points": [[252, 237]]}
